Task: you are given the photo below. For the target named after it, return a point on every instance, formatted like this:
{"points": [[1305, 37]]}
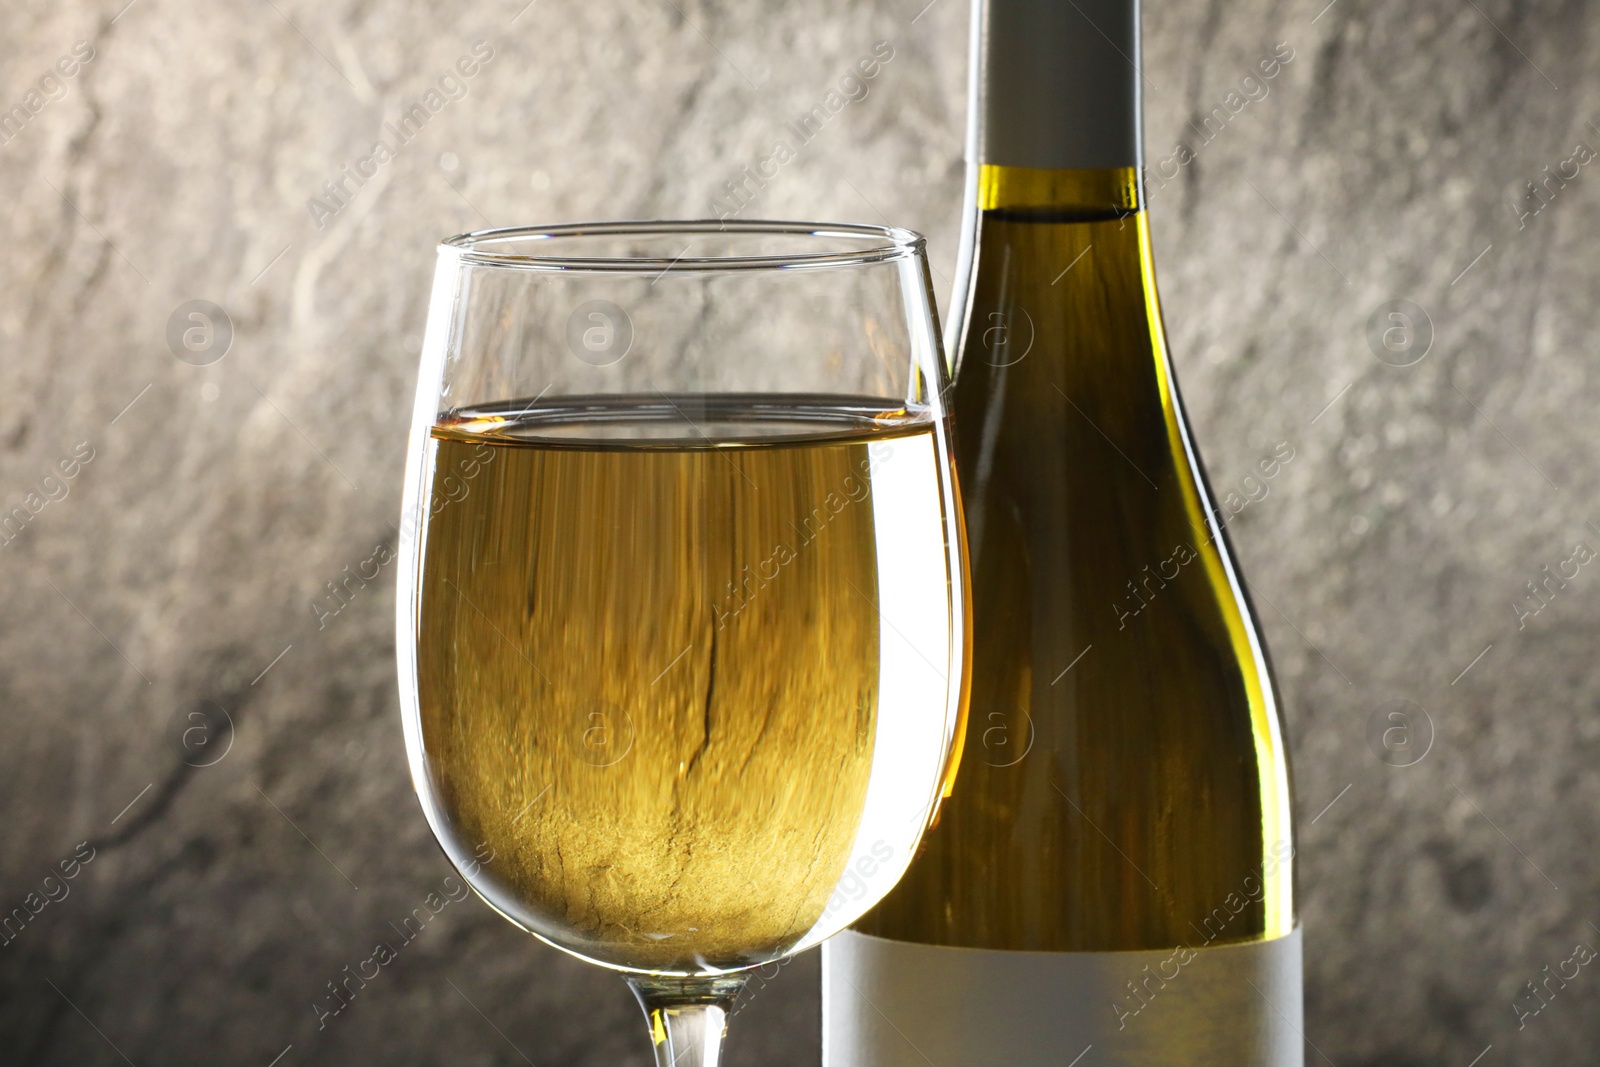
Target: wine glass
{"points": [[682, 621]]}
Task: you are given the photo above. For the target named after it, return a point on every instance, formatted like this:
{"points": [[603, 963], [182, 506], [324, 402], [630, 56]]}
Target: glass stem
{"points": [[688, 1017]]}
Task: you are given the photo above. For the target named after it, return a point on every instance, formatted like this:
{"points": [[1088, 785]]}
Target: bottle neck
{"points": [[1057, 84], [1055, 125]]}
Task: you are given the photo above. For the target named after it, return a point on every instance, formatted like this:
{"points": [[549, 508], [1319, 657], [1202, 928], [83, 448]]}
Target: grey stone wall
{"points": [[240, 862]]}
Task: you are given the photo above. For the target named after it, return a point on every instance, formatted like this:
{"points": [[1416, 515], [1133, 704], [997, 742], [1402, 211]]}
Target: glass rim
{"points": [[885, 244]]}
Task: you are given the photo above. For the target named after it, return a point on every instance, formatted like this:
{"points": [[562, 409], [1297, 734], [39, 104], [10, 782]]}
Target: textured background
{"points": [[1388, 557]]}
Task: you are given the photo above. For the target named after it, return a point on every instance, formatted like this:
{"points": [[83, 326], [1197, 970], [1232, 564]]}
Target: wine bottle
{"points": [[1110, 880]]}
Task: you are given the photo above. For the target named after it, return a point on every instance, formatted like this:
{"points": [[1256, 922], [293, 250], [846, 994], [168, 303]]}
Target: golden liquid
{"points": [[1151, 806], [648, 679]]}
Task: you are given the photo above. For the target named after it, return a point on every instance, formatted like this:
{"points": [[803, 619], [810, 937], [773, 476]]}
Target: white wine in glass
{"points": [[682, 623]]}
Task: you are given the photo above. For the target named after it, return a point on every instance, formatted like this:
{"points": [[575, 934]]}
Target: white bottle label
{"points": [[899, 1004]]}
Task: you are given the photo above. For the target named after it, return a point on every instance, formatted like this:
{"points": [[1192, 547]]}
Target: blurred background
{"points": [[188, 705]]}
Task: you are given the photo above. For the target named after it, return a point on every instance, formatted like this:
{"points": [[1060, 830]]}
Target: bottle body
{"points": [[1113, 871]]}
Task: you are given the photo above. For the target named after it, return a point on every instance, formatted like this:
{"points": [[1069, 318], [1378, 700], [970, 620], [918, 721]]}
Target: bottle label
{"points": [[900, 1004]]}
